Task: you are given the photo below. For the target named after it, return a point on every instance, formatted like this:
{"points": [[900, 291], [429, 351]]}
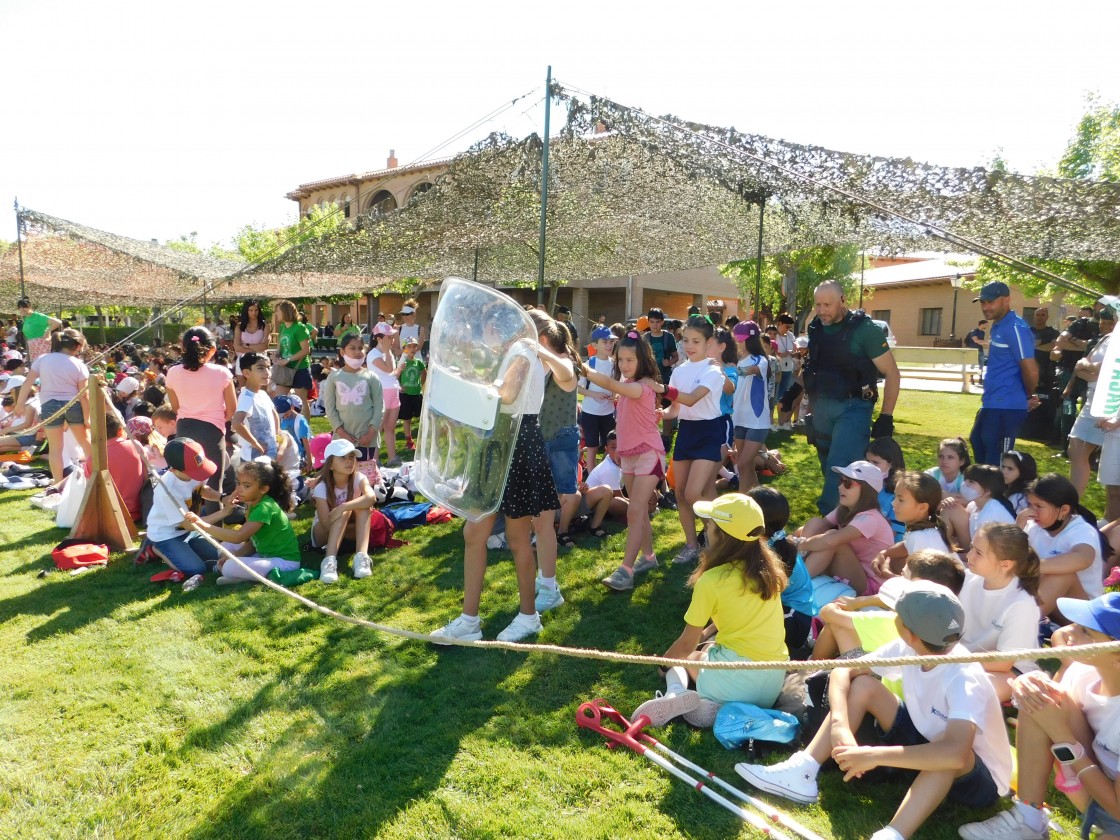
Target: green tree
{"points": [[1093, 153], [788, 279], [257, 244]]}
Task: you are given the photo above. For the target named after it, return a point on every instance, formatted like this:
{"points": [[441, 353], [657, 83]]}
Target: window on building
{"points": [[931, 321], [419, 189], [346, 206], [382, 203], [881, 315]]}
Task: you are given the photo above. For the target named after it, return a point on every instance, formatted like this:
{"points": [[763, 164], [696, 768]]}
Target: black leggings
{"points": [[213, 441]]}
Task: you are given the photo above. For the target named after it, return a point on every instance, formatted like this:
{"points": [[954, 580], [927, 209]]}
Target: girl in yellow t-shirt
{"points": [[737, 588]]}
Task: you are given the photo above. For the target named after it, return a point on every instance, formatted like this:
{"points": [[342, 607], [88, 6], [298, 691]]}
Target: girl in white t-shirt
{"points": [[695, 388], [917, 498], [981, 500], [1019, 470], [751, 407], [343, 499], [999, 600], [381, 361], [1068, 545]]}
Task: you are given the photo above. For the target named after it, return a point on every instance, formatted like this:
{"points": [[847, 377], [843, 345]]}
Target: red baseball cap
{"points": [[187, 455]]}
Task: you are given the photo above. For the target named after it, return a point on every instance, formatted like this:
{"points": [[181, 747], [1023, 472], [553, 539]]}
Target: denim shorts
{"points": [[29, 439], [975, 789], [753, 435], [1095, 815], [73, 416], [563, 457]]}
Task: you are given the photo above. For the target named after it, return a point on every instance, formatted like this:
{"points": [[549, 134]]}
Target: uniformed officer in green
{"points": [[847, 355]]}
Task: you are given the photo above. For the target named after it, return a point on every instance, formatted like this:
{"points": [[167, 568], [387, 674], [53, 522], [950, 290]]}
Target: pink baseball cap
{"points": [[383, 328]]}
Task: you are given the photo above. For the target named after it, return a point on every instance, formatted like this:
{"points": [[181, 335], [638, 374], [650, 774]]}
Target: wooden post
{"points": [[103, 517]]}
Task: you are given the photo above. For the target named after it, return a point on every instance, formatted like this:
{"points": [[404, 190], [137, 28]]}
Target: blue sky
{"points": [[158, 119]]}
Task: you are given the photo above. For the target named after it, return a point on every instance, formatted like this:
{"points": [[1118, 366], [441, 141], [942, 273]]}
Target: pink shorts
{"points": [[645, 463], [392, 398]]}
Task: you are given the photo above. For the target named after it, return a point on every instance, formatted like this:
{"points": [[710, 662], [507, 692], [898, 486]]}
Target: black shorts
{"points": [[302, 379], [975, 789], [595, 428], [411, 406]]}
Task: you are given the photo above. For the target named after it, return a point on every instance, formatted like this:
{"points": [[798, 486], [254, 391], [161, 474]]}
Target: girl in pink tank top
{"points": [[639, 446]]}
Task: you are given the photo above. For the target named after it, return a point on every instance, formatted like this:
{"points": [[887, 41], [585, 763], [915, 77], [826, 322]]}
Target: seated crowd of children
{"points": [[959, 558]]}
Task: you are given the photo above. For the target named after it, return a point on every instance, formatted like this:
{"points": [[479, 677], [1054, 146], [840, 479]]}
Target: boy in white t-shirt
{"points": [[255, 421], [1075, 722], [948, 725], [596, 416]]}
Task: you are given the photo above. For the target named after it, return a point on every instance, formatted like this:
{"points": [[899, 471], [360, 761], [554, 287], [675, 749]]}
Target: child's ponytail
{"points": [[269, 474], [197, 342]]}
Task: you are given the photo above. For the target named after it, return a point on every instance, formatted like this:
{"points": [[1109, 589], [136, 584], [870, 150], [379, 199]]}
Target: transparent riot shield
{"points": [[481, 348]]}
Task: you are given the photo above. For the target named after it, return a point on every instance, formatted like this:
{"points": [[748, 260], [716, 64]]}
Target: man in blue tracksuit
{"points": [[1011, 378]]}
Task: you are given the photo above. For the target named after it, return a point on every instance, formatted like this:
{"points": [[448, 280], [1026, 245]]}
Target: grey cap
{"points": [[931, 612]]}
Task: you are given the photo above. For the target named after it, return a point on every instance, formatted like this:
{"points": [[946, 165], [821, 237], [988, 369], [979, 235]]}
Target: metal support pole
{"points": [[19, 244], [862, 266], [474, 277], [953, 329], [758, 267], [544, 187]]}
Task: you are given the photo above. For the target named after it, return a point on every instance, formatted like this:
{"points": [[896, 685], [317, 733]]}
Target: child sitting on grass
{"points": [[948, 726], [983, 501], [1077, 722], [266, 541], [343, 499], [737, 587], [917, 498]]}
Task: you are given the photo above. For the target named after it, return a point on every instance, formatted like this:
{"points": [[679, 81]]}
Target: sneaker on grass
{"points": [[688, 554], [704, 715], [664, 707], [361, 566], [467, 629], [1006, 825], [328, 570], [620, 579], [521, 627], [644, 564], [795, 778], [547, 599]]}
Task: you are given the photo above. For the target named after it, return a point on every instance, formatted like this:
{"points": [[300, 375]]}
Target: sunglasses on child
{"points": [[848, 483]]}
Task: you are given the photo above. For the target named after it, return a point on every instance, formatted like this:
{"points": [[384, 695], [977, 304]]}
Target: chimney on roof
{"points": [[392, 162]]}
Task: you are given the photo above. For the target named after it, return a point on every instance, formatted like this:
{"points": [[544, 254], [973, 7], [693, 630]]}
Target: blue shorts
{"points": [[1095, 815], [595, 428], [302, 379], [753, 435], [729, 434], [563, 457], [975, 789], [29, 439], [73, 416], [700, 440]]}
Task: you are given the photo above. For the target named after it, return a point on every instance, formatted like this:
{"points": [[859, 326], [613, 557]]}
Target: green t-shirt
{"points": [[291, 340], [343, 331], [411, 377], [35, 325], [866, 340], [276, 537]]}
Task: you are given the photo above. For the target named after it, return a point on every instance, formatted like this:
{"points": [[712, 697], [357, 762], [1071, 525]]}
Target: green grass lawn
{"points": [[132, 709]]}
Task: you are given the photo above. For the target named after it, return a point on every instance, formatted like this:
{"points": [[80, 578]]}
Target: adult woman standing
{"points": [[62, 376], [346, 327], [36, 328], [250, 335], [295, 352], [204, 400]]}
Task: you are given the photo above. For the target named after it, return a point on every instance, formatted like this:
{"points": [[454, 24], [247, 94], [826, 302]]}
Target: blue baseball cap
{"points": [[993, 290], [283, 404], [1101, 614], [602, 333]]}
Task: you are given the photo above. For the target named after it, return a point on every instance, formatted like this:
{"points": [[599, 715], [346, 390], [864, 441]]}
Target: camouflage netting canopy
{"points": [[69, 264], [654, 194], [628, 193]]}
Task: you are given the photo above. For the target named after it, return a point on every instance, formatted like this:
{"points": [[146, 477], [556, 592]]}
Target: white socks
{"points": [[887, 833], [472, 620], [1032, 816], [547, 583], [676, 680]]}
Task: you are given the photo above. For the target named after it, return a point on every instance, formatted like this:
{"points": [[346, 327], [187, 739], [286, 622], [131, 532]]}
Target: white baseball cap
{"points": [[13, 383], [863, 471], [339, 448]]}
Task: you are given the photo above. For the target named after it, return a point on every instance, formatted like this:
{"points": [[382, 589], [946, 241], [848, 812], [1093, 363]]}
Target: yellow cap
{"points": [[735, 514]]}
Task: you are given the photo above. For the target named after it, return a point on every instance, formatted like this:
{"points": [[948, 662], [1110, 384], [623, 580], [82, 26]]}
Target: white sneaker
{"points": [[548, 599], [1006, 825], [704, 715], [361, 563], [664, 707], [620, 580], [644, 564], [521, 628], [461, 628], [497, 542], [328, 570], [688, 554], [786, 427], [795, 778]]}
